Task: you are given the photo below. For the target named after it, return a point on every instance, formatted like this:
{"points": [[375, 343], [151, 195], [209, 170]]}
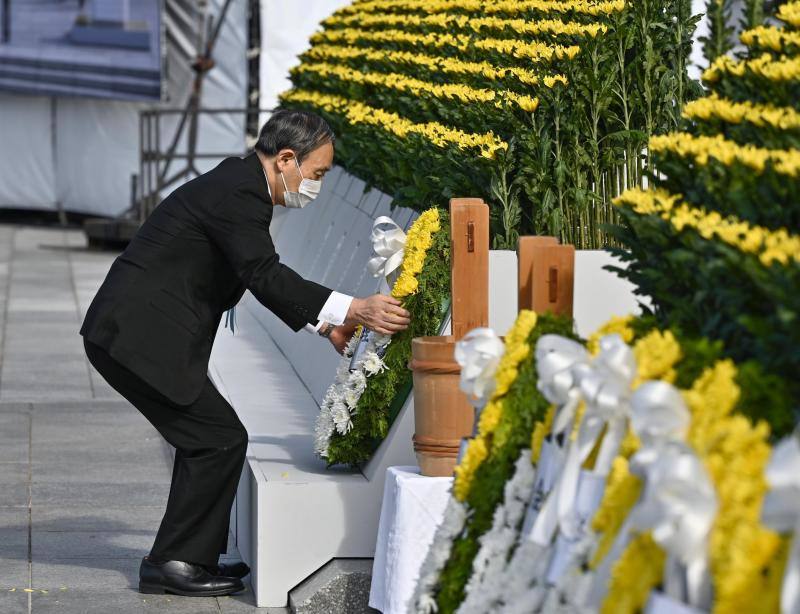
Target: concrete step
{"points": [[341, 586]]}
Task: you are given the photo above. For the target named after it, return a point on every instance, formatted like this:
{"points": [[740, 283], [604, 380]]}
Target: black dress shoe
{"points": [[233, 570], [183, 578]]}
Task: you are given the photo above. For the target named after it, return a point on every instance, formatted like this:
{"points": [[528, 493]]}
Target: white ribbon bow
{"points": [[658, 416], [605, 386], [781, 513], [389, 245], [560, 364], [678, 502], [478, 353], [679, 506]]}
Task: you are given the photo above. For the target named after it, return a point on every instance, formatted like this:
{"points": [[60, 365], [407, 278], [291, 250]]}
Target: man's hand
{"points": [[380, 313], [340, 336]]}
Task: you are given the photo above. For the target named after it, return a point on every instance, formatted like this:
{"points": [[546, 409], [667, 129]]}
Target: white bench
{"points": [[291, 514]]}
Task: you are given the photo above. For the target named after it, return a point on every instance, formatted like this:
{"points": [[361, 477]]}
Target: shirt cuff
{"points": [[335, 308], [311, 328]]}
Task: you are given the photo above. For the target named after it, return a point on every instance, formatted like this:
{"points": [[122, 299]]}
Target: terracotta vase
{"points": [[442, 413]]}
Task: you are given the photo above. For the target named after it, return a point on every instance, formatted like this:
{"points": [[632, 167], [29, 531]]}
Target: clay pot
{"points": [[442, 413]]}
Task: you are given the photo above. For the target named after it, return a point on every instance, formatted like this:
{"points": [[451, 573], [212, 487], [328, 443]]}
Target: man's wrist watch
{"points": [[326, 330]]}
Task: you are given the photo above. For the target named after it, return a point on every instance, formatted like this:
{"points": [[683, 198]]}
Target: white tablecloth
{"points": [[413, 506]]}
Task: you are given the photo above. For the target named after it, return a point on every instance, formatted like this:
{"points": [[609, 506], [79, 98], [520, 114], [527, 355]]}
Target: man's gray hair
{"points": [[302, 131]]}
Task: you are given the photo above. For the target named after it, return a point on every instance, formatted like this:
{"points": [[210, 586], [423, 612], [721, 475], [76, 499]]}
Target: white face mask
{"points": [[308, 190]]}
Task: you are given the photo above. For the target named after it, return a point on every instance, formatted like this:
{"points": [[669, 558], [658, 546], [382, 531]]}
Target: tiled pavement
{"points": [[84, 477]]}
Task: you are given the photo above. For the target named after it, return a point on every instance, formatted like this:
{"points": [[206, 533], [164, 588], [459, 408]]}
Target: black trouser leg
{"points": [[210, 447]]}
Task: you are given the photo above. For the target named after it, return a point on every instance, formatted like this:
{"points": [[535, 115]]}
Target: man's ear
{"points": [[284, 159]]}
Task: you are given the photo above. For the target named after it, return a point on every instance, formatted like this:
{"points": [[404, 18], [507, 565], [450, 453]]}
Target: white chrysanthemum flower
{"points": [[336, 394], [341, 417], [351, 397], [427, 604], [373, 363], [483, 591], [455, 516], [358, 381], [330, 395], [351, 346]]}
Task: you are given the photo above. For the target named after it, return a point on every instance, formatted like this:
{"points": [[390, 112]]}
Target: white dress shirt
{"points": [[335, 308]]}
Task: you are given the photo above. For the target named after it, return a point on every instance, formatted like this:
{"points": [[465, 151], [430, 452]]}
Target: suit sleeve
{"points": [[239, 226]]}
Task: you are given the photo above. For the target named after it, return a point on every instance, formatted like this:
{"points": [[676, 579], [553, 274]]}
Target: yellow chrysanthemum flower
{"points": [[617, 324], [516, 350], [621, 493], [736, 453], [656, 355], [540, 430], [357, 113], [508, 7], [418, 241], [769, 245]]}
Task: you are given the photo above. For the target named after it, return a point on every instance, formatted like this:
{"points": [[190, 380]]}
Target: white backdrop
{"points": [[27, 162], [81, 152]]}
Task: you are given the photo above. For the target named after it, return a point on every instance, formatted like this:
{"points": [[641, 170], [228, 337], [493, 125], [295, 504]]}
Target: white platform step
{"points": [[291, 514]]}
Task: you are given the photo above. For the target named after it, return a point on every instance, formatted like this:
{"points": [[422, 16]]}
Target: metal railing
{"points": [[155, 163]]}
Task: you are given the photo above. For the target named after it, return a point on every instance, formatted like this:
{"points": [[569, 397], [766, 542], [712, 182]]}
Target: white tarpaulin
{"points": [[27, 171], [82, 152]]}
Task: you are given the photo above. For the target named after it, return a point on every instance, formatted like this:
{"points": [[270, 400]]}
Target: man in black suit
{"points": [[150, 328]]}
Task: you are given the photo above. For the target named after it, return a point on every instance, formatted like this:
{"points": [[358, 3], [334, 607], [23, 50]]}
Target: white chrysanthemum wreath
{"points": [[399, 259], [341, 398]]}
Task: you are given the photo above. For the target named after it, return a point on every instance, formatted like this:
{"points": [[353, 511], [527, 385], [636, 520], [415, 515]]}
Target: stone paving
{"points": [[84, 477]]}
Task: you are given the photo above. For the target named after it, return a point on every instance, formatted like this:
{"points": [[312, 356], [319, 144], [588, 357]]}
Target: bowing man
{"points": [[149, 330]]}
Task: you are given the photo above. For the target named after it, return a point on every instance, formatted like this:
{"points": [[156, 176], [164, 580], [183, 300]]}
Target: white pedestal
{"points": [[413, 506]]}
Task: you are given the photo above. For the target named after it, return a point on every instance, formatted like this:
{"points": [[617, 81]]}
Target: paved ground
{"points": [[84, 476]]}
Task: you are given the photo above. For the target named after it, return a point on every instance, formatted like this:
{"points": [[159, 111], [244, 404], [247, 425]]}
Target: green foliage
{"points": [[582, 146], [720, 29], [523, 406], [756, 87], [724, 30], [703, 287], [507, 194], [753, 13], [390, 387], [763, 198], [708, 289], [763, 396]]}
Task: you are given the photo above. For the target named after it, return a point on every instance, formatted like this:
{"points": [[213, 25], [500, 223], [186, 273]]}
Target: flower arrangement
{"points": [[360, 405], [713, 244], [504, 436], [735, 451], [714, 241], [482, 558], [516, 350], [723, 211], [341, 398], [542, 108]]}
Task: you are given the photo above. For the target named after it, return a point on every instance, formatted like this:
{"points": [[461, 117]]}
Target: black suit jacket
{"points": [[159, 307]]}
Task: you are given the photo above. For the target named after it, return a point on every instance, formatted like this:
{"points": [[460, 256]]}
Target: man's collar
{"points": [[252, 162]]}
